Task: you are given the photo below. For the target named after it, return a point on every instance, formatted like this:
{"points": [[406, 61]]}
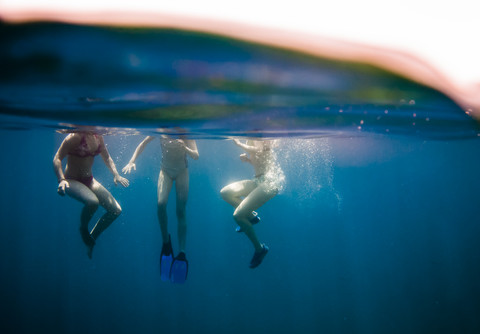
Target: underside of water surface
{"points": [[65, 75]]}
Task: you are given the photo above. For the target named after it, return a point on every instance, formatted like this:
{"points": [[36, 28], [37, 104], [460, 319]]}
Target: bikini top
{"points": [[82, 150]]}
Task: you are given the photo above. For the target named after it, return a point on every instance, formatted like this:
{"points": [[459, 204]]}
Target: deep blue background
{"points": [[370, 235]]}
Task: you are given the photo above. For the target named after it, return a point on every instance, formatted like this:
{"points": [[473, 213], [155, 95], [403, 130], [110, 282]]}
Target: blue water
{"points": [[376, 230]]}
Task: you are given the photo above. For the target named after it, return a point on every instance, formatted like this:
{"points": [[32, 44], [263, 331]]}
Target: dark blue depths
{"points": [[370, 235]]}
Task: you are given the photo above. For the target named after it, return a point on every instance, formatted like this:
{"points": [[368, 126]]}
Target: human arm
{"points": [[138, 151], [111, 165], [249, 148], [68, 144], [191, 148]]}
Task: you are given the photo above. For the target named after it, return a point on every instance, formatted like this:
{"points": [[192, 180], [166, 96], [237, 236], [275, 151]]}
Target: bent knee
{"points": [[116, 210], [239, 215], [226, 193], [92, 204]]}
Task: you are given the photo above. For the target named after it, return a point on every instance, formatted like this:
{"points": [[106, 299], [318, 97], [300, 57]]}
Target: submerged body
{"points": [[246, 196], [77, 181], [174, 168]]}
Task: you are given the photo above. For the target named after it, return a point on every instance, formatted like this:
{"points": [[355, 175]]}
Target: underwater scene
{"points": [[313, 195]]}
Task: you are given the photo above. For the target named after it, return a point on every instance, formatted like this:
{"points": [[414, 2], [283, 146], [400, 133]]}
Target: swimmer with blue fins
{"points": [[174, 168], [246, 196]]}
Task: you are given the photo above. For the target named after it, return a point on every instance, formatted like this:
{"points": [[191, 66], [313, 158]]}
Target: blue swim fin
{"points": [[258, 257], [166, 259], [179, 269], [255, 220]]}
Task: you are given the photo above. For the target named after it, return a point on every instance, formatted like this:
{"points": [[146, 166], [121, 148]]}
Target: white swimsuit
{"points": [[174, 157]]}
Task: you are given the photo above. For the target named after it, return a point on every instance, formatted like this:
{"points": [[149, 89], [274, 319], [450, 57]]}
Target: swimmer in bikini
{"points": [[174, 168], [248, 195], [77, 181]]}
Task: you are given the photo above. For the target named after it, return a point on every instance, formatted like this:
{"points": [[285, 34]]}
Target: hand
{"points": [[128, 168], [181, 143], [236, 141], [61, 187], [244, 157], [123, 181]]}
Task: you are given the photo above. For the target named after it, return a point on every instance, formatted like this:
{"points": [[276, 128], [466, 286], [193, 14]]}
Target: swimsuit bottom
{"points": [[173, 173], [86, 180]]}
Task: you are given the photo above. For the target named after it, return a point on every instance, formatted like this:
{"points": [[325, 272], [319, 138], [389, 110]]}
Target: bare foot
{"points": [[90, 251], [88, 241]]}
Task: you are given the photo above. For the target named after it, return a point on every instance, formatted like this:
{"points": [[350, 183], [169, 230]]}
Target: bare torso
{"points": [[262, 160]]}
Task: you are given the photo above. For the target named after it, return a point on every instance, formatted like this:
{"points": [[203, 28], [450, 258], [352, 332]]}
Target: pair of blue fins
{"points": [[173, 269]]}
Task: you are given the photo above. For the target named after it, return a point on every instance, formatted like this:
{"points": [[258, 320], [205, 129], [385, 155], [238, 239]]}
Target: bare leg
{"points": [[235, 192], [163, 190], [85, 195], [258, 197], [181, 186], [112, 207]]}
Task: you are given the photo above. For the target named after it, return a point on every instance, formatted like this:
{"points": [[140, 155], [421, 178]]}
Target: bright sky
{"points": [[444, 33]]}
